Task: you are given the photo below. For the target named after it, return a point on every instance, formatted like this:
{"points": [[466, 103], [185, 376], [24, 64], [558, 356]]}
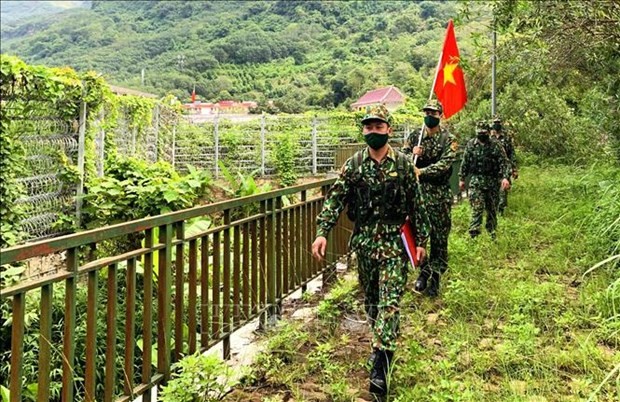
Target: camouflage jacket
{"points": [[485, 161], [384, 193], [509, 148], [435, 163]]}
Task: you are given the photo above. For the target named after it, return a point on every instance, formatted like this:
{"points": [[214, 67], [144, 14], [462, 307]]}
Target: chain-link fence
{"points": [[248, 145]]}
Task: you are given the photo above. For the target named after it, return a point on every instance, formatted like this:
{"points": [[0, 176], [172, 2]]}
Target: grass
{"points": [[517, 319]]}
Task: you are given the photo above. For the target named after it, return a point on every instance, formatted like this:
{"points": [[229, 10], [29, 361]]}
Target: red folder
{"points": [[407, 234]]}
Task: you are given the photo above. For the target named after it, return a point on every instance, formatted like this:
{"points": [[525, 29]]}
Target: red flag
{"points": [[194, 94], [449, 81], [407, 234]]}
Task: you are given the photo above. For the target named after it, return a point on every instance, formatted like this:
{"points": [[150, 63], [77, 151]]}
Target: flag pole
{"points": [[430, 97]]}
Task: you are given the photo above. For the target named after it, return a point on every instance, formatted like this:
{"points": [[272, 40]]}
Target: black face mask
{"points": [[376, 140], [497, 127], [483, 137], [431, 121]]}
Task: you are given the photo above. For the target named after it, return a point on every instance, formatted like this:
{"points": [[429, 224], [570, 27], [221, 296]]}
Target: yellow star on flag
{"points": [[448, 71]]}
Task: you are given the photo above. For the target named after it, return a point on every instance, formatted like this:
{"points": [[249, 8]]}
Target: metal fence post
{"points": [[406, 133], [101, 156], [262, 144], [174, 143], [156, 132], [314, 146], [216, 124], [80, 163]]}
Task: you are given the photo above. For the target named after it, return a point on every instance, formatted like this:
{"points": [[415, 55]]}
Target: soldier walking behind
{"points": [[502, 136], [436, 154], [486, 163], [380, 188]]}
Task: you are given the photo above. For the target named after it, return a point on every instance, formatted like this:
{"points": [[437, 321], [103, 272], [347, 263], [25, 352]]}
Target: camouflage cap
{"points": [[378, 112], [497, 119], [482, 127], [433, 105]]}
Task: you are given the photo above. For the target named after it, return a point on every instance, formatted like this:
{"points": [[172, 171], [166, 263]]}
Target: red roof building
{"points": [[223, 106], [390, 96]]}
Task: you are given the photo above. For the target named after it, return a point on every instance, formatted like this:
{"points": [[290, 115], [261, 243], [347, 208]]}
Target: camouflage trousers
{"points": [[383, 282], [439, 213], [503, 200], [483, 197]]}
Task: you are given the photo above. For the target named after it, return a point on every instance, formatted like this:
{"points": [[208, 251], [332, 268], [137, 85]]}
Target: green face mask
{"points": [[376, 140], [431, 121]]}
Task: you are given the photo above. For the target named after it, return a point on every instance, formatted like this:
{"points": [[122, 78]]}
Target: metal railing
{"points": [[194, 290]]}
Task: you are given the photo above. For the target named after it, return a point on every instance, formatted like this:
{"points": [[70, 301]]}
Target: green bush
{"points": [[201, 378]]}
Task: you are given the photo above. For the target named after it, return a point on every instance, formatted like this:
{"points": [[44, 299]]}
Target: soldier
{"points": [[502, 136], [379, 186], [436, 154], [486, 163]]}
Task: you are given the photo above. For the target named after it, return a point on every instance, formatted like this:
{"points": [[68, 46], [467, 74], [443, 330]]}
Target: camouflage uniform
{"points": [[508, 146], [435, 169], [380, 201], [486, 163]]}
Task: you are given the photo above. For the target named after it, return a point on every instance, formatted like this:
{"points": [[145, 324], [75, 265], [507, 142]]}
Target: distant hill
{"points": [[15, 11], [303, 54]]}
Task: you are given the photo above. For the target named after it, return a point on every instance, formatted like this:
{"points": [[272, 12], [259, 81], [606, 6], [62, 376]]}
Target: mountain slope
{"points": [[301, 53]]}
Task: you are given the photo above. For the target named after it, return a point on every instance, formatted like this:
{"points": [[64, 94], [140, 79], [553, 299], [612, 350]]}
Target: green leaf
{"points": [[170, 196], [13, 271], [5, 394]]}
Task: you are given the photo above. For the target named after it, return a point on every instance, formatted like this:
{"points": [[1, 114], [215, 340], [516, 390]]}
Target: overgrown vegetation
{"points": [[200, 378], [517, 320]]}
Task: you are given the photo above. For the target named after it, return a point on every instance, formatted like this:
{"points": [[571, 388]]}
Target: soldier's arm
{"points": [[448, 156], [417, 210], [505, 170], [464, 170], [512, 156], [410, 142], [335, 202]]}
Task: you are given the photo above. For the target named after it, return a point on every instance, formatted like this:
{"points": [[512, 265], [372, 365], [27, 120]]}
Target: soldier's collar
{"points": [[390, 154]]}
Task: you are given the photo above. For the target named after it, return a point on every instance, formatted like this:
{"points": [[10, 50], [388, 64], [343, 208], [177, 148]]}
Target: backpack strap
{"points": [[443, 140], [357, 159]]}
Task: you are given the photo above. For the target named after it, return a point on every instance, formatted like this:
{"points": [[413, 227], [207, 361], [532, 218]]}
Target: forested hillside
{"points": [[303, 53]]}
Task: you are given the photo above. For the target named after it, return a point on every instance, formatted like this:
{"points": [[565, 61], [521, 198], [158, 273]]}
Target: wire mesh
{"points": [[48, 141]]}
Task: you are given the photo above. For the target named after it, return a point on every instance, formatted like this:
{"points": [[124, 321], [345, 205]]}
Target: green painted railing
{"points": [[216, 281]]}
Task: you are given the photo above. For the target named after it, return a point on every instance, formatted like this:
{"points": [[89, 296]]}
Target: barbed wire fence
{"points": [[245, 146], [49, 141]]}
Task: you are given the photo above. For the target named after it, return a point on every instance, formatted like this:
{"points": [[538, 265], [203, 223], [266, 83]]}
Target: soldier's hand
{"points": [[461, 185], [318, 248], [420, 254], [417, 150], [505, 184], [417, 172]]}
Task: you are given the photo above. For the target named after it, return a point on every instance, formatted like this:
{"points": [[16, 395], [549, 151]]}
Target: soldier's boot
{"points": [[474, 233], [380, 371], [422, 282], [433, 287]]}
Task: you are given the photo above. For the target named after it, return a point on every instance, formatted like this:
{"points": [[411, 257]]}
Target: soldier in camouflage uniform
{"points": [[378, 185], [502, 136], [436, 154], [486, 163]]}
